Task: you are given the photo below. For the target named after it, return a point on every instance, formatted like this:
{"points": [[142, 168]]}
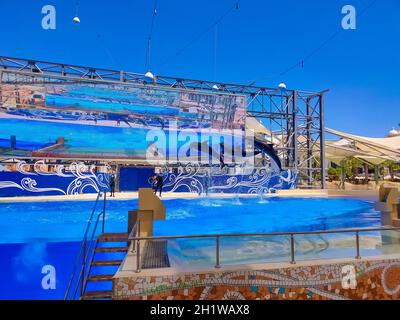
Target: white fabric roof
{"points": [[255, 125], [383, 147], [371, 150]]}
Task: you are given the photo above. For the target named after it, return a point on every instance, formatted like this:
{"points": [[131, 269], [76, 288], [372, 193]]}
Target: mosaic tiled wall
{"points": [[374, 280]]}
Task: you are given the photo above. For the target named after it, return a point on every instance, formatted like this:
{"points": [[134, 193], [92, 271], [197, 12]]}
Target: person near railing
{"points": [[112, 185], [159, 183]]}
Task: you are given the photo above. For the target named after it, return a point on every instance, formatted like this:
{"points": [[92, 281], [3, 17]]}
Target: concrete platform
{"points": [[362, 194]]}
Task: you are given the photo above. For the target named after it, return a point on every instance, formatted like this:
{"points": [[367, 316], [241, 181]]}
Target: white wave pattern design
{"points": [[83, 179], [186, 178], [30, 185], [9, 184], [193, 179]]}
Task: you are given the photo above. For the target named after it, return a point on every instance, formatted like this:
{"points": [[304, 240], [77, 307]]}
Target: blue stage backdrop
{"points": [[194, 179], [183, 179], [258, 181]]}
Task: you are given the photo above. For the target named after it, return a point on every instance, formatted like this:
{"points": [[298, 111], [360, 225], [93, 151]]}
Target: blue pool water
{"points": [[33, 234], [22, 222]]}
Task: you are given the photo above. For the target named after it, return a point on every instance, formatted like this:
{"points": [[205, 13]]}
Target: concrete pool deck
{"points": [[362, 194], [128, 267]]}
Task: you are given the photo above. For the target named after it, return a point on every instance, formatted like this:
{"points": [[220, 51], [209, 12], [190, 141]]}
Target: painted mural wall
{"points": [[220, 180], [39, 180], [97, 119], [78, 178]]}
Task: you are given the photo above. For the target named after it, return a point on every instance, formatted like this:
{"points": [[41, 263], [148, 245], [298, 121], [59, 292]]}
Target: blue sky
{"points": [[256, 42]]}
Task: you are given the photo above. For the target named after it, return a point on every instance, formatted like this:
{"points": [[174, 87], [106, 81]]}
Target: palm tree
{"points": [[393, 167]]}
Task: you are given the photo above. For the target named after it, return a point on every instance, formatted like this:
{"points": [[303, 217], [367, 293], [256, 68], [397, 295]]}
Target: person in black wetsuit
{"points": [[112, 186], [153, 182], [159, 184]]}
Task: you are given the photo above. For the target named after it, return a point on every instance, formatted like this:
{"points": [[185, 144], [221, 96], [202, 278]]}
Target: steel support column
{"points": [[295, 132], [309, 144], [322, 140]]}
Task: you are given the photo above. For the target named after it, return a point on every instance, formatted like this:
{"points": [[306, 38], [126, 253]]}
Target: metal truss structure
{"points": [[294, 118]]}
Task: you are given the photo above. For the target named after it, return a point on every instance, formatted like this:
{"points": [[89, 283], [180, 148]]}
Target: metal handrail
{"points": [[268, 233], [292, 235], [135, 244], [83, 252], [81, 247], [133, 233], [93, 245]]}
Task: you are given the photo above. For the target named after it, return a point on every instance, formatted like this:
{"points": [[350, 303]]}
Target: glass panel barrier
{"points": [[192, 252], [228, 250], [376, 243], [325, 246], [256, 249]]}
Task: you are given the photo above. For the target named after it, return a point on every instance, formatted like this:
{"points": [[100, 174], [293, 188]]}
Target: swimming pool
{"points": [[34, 234]]}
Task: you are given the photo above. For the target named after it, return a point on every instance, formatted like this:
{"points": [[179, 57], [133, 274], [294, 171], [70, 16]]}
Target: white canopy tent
{"points": [[373, 150], [258, 128]]}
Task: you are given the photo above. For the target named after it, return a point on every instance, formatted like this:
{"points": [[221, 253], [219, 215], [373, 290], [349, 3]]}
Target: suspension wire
{"points": [[148, 52], [307, 57], [200, 35], [215, 50], [76, 8], [108, 51], [100, 39]]}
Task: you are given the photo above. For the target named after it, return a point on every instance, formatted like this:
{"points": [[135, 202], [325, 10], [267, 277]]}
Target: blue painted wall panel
{"points": [[22, 183], [131, 179], [14, 183]]}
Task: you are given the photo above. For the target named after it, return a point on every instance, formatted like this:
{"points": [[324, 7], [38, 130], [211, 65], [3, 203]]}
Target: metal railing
{"points": [[291, 235], [87, 249], [135, 244]]}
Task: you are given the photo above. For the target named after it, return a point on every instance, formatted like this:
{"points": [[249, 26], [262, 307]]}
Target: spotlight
{"points": [[215, 87], [394, 133], [76, 20], [149, 75], [282, 86]]}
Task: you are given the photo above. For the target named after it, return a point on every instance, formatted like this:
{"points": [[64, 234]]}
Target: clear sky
{"points": [[255, 42]]}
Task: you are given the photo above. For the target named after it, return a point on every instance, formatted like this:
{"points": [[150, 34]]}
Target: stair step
{"points": [[111, 249], [101, 294], [101, 277], [113, 237], [100, 263]]}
